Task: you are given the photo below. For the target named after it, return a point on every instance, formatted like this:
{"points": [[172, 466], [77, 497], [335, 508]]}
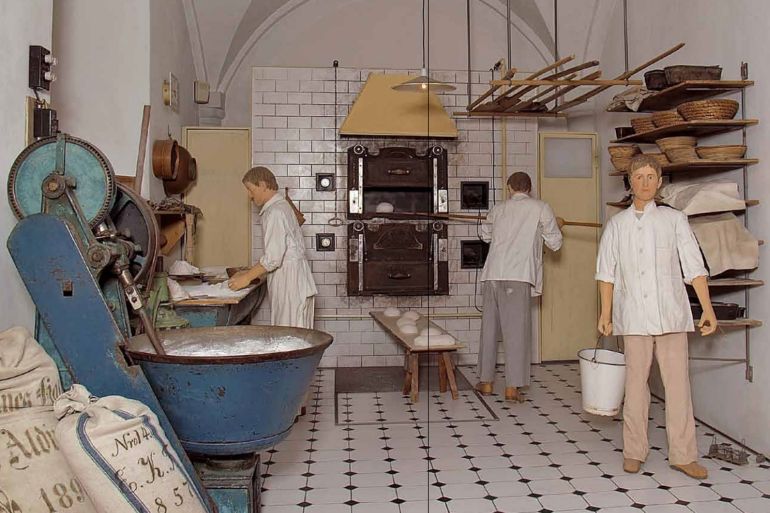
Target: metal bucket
{"points": [[231, 389]]}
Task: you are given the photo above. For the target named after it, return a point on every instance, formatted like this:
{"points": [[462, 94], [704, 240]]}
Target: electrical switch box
{"points": [[40, 63]]}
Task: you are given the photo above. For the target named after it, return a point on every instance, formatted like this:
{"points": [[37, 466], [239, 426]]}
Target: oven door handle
{"points": [[399, 276], [400, 172]]}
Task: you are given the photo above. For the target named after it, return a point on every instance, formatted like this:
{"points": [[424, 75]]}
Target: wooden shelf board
{"points": [[624, 204], [735, 282], [495, 114], [702, 166], [701, 128], [739, 323], [689, 90]]}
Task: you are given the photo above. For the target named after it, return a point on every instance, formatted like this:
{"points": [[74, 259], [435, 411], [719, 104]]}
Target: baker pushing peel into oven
{"points": [[643, 298]]}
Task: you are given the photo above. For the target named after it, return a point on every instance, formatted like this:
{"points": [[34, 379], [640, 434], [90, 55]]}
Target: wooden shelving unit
{"points": [[704, 166], [702, 128], [687, 91], [670, 98]]}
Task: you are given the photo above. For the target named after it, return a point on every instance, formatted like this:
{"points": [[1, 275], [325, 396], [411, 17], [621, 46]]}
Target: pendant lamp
{"points": [[423, 82]]}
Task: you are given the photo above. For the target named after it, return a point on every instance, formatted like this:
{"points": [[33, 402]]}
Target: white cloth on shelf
{"points": [[703, 198], [726, 243], [176, 291]]}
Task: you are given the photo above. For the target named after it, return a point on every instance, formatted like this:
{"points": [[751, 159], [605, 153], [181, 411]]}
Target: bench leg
{"points": [[450, 373], [442, 374], [414, 365], [407, 375]]}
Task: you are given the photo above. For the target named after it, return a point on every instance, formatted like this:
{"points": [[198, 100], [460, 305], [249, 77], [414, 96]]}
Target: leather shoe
{"points": [[484, 388], [631, 466], [695, 470], [513, 394]]}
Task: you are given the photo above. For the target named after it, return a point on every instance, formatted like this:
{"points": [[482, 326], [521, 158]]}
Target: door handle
{"points": [[399, 276]]}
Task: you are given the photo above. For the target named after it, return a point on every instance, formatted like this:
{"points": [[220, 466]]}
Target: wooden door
{"points": [[568, 178], [223, 236]]}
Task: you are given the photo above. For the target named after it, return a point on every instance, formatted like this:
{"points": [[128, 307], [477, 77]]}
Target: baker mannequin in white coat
{"points": [[646, 255], [289, 278]]}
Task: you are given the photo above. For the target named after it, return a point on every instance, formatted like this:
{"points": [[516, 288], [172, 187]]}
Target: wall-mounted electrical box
{"points": [[324, 182], [324, 242], [40, 63]]}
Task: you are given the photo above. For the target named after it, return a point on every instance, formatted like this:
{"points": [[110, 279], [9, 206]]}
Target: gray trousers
{"points": [[506, 310]]}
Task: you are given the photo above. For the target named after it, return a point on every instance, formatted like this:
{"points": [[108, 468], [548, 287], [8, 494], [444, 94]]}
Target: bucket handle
{"points": [[599, 341]]}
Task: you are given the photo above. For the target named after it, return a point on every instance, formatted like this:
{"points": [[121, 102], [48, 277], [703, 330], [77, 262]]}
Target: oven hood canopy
{"points": [[381, 111]]}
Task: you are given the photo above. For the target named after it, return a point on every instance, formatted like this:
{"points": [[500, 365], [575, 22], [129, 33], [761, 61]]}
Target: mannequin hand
{"points": [[240, 280], [605, 326], [560, 222], [708, 322]]}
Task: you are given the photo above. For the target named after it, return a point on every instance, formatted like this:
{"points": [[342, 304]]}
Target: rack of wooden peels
{"points": [[539, 93]]}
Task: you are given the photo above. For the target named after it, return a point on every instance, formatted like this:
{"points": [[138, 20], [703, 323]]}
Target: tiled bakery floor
{"points": [[474, 456]]}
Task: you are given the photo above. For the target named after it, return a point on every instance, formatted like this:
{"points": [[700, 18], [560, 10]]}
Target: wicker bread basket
{"points": [[666, 118], [660, 157], [681, 154], [708, 109], [641, 125], [624, 151], [673, 142], [723, 152]]}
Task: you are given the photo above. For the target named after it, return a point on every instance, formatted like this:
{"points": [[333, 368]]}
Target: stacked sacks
{"points": [[122, 456], [34, 476]]}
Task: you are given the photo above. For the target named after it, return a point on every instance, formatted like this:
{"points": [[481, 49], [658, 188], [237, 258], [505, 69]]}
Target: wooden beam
{"points": [[559, 93], [541, 71], [491, 90], [503, 102], [579, 82], [529, 101], [622, 76]]}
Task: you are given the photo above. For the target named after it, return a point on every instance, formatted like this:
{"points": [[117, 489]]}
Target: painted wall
{"points": [[715, 32], [104, 69], [384, 35], [21, 24], [170, 53]]}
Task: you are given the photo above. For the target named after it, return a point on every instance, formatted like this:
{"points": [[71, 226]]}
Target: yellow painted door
{"points": [[223, 155], [569, 181]]}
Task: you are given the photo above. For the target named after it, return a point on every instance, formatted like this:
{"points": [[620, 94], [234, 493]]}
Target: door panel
{"points": [[569, 181], [223, 236]]}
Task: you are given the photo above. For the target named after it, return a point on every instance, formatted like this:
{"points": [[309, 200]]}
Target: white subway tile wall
{"points": [[293, 133]]}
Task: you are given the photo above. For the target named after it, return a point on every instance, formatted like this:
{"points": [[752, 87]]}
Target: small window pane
{"points": [[567, 157]]}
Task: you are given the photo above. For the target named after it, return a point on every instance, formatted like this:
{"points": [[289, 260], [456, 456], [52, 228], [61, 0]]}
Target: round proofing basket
{"points": [[621, 163], [708, 109], [644, 124], [602, 380], [675, 142], [723, 152], [165, 156], [624, 151], [681, 154], [666, 118], [660, 157]]}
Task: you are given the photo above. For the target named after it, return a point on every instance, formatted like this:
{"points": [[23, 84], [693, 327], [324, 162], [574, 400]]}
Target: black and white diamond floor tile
{"points": [[378, 452]]}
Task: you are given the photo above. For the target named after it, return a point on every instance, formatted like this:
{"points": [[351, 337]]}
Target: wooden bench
{"points": [[446, 369]]}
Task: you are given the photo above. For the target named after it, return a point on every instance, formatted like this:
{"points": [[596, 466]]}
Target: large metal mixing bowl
{"points": [[231, 389]]}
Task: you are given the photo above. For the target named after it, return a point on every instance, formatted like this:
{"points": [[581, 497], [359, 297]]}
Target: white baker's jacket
{"points": [[289, 279], [516, 229], [642, 258]]}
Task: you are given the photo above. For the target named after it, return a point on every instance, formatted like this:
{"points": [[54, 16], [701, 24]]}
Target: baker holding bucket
{"points": [[643, 298]]}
